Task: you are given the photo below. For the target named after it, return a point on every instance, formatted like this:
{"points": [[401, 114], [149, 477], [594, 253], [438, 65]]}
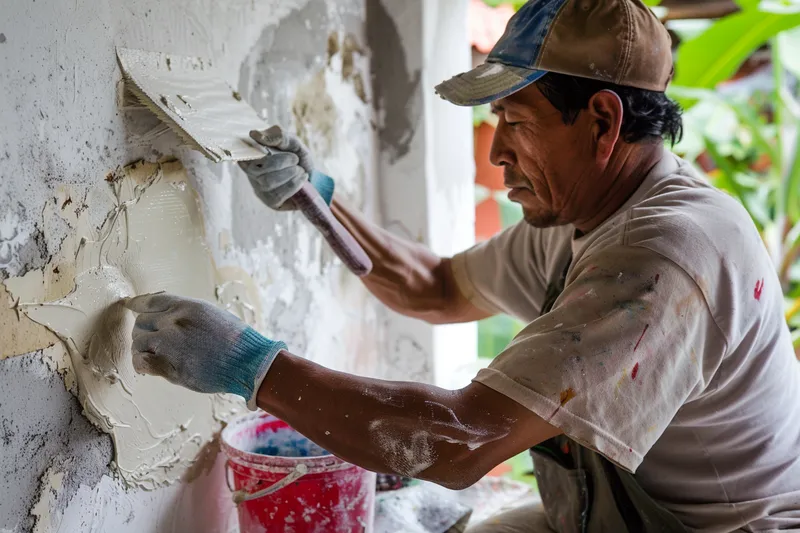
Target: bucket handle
{"points": [[240, 496]]}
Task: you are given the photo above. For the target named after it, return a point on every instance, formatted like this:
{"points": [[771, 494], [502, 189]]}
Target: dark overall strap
{"points": [[582, 491]]}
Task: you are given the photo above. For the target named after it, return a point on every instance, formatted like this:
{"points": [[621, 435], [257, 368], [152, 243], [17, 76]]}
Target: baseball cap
{"points": [[618, 41]]}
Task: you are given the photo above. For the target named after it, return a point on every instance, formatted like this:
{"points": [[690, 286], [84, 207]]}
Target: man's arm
{"points": [[448, 437], [407, 276], [452, 438]]}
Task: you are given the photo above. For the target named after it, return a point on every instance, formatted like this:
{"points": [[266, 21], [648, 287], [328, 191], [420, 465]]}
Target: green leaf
{"points": [[651, 3], [755, 127], [717, 53], [794, 292], [793, 185], [726, 179]]}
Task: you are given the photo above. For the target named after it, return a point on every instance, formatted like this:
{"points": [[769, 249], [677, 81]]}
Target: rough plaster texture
{"points": [[303, 63], [41, 427]]}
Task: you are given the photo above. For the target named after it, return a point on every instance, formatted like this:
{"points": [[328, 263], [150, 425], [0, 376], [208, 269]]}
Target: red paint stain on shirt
{"points": [[641, 337], [758, 289], [635, 371]]}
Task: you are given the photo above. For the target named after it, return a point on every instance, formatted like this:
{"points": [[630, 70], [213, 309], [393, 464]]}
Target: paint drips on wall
{"points": [[150, 240]]}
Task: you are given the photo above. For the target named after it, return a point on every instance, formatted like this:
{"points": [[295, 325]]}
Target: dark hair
{"points": [[647, 115]]}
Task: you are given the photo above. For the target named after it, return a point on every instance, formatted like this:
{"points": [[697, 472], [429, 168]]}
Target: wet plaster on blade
{"points": [[144, 245], [192, 93]]}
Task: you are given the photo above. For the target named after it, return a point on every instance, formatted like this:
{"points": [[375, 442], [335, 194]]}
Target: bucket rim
{"points": [[274, 463]]}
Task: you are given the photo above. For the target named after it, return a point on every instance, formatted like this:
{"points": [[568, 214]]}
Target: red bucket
{"points": [[284, 483]]}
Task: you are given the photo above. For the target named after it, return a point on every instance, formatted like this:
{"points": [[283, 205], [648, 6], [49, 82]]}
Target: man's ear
{"points": [[605, 108]]}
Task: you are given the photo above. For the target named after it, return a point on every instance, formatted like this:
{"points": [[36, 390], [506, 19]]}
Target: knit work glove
{"points": [[197, 345], [277, 176]]}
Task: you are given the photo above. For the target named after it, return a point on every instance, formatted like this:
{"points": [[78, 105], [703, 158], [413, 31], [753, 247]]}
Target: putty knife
{"points": [[188, 96]]}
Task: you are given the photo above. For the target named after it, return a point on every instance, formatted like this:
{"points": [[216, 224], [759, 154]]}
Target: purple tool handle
{"points": [[343, 243]]}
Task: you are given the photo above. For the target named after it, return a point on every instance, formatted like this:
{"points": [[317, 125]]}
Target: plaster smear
{"points": [[20, 334], [151, 240]]}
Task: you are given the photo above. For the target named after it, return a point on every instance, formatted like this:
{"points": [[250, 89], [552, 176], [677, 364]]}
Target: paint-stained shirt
{"points": [[667, 352]]}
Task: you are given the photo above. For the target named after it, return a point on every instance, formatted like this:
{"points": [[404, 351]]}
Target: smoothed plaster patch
{"points": [[152, 239]]}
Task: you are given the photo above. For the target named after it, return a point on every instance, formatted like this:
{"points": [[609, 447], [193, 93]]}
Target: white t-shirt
{"points": [[667, 352]]}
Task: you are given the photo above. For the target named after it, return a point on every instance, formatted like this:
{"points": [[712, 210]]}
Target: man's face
{"points": [[547, 164]]}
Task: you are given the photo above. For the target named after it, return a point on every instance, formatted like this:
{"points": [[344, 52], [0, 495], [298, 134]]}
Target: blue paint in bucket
{"points": [[284, 442]]}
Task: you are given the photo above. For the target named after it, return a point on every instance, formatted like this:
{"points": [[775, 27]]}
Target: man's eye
{"points": [[513, 124]]}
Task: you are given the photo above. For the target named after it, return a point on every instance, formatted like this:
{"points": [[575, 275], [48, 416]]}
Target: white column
{"points": [[426, 167]]}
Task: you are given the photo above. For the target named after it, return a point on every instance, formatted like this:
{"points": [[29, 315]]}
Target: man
{"points": [[655, 382]]}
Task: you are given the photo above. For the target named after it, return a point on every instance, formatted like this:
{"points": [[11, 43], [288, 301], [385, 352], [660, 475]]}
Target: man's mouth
{"points": [[516, 192], [519, 187]]}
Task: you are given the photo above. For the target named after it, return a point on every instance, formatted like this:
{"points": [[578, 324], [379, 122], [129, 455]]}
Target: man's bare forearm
{"points": [[407, 276], [448, 437]]}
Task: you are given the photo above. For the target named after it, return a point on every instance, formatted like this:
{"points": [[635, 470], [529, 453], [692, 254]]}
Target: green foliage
{"points": [[522, 469], [495, 333], [716, 54]]}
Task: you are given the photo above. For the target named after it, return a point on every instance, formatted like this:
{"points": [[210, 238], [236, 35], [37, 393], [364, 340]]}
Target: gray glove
{"points": [[277, 176], [197, 345]]}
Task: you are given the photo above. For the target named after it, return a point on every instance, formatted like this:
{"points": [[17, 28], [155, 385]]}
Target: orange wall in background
{"points": [[486, 174], [487, 212]]}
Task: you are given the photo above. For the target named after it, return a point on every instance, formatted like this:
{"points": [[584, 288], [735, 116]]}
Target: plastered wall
{"points": [[307, 65]]}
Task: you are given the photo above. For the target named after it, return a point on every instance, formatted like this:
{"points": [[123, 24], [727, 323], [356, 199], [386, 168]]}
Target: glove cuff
{"points": [[324, 185], [257, 353]]}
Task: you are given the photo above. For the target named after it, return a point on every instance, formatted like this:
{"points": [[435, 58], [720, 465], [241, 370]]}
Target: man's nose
{"points": [[500, 153]]}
